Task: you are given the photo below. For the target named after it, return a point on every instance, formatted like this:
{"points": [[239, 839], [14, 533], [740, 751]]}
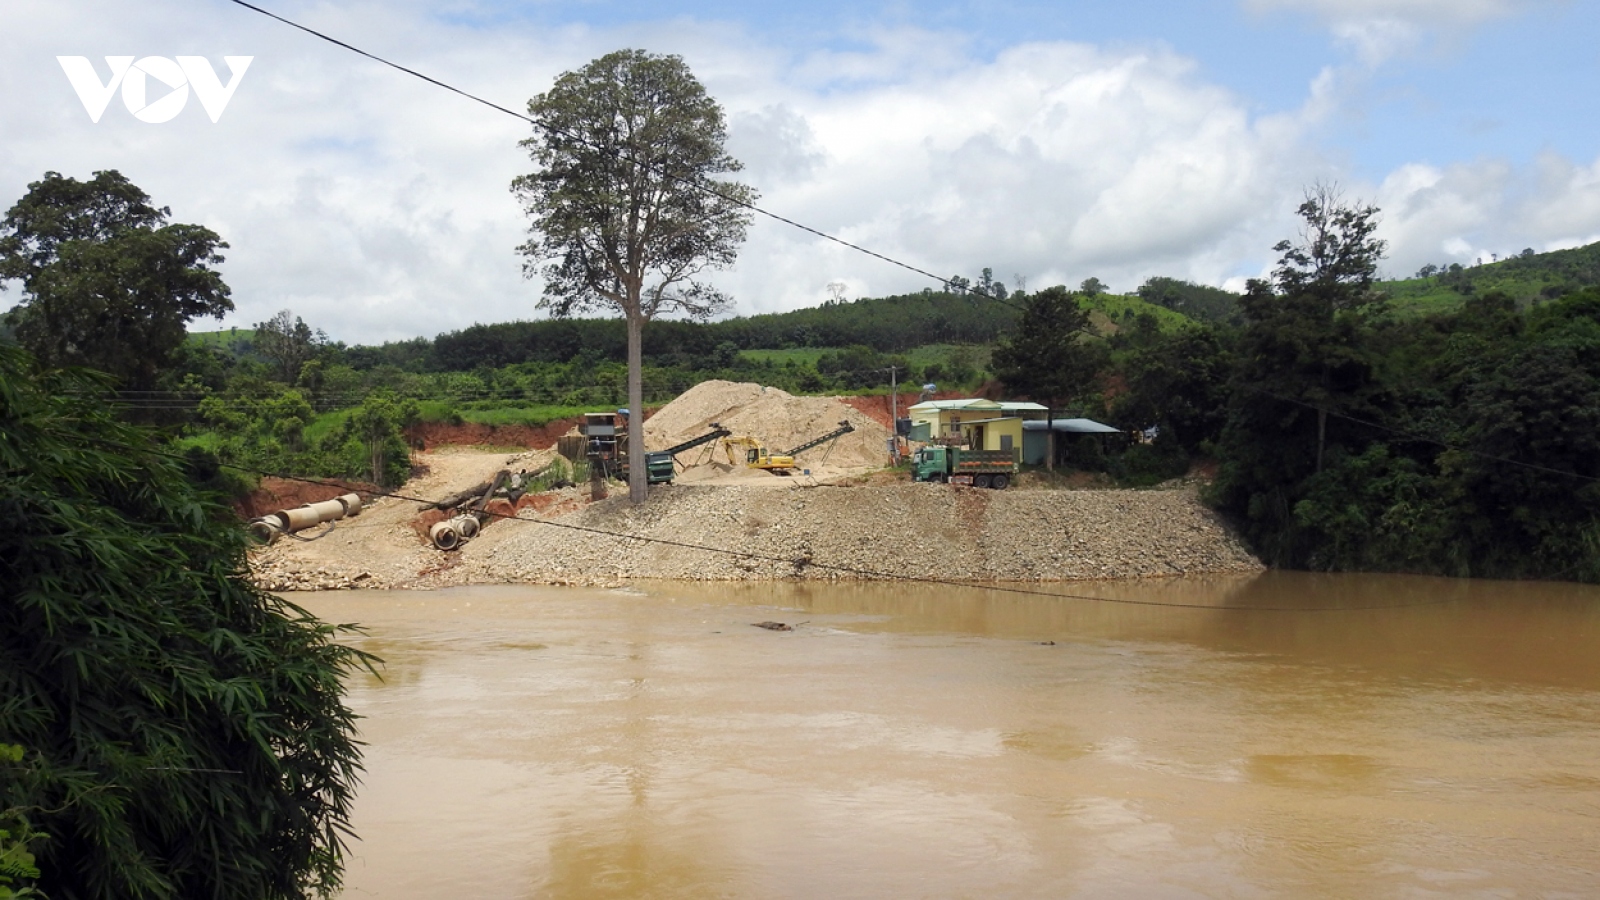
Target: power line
{"points": [[693, 184]]}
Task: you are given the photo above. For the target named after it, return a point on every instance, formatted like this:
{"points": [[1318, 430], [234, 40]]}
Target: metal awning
{"points": [[1070, 426]]}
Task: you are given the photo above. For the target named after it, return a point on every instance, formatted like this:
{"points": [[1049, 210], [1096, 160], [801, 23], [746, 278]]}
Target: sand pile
{"points": [[777, 418]]}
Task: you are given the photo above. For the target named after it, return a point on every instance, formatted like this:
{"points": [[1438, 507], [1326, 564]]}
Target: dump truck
{"points": [[955, 465]]}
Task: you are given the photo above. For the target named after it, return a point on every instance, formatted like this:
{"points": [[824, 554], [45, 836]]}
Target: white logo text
{"points": [[134, 78]]}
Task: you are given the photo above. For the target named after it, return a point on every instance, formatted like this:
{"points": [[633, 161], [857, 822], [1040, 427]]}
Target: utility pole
{"points": [[1050, 439], [894, 417]]}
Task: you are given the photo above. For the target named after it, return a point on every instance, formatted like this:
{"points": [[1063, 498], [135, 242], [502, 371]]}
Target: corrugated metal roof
{"points": [[1072, 426], [1022, 406], [970, 403]]}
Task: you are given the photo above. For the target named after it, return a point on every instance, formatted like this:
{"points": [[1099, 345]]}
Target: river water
{"points": [[1281, 735]]}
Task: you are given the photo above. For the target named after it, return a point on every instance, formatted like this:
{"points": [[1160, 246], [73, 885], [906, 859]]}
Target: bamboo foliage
{"points": [[185, 732]]}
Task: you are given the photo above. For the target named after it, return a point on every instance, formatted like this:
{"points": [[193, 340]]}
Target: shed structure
{"points": [[1036, 435]]}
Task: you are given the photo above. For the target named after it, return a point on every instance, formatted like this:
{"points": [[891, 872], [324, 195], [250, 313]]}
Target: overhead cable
{"points": [[691, 183]]}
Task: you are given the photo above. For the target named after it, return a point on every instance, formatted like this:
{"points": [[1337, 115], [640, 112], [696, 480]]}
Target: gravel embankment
{"points": [[835, 532]]}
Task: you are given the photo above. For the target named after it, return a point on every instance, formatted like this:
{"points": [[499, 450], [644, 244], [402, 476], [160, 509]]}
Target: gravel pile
{"points": [[831, 532]]}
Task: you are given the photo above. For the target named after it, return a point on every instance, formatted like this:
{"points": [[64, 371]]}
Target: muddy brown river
{"points": [[1283, 735]]}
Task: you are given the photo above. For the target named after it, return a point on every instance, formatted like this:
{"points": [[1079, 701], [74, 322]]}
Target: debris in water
{"points": [[773, 626]]}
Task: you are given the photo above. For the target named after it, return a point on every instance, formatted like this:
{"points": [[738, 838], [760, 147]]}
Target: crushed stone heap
{"points": [[890, 531]]}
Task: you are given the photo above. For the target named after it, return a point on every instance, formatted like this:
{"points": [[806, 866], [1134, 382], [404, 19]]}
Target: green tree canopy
{"points": [[1048, 358], [106, 282], [185, 732], [630, 205], [287, 343], [1306, 350], [1336, 257]]}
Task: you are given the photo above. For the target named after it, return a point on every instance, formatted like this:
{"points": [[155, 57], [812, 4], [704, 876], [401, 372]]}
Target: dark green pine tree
{"points": [[1049, 358]]}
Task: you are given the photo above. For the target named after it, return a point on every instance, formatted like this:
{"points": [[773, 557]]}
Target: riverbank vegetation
{"points": [[167, 728]]}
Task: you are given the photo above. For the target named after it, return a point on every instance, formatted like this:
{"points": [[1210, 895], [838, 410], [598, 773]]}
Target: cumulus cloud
{"points": [[377, 207], [1055, 161], [1470, 212]]}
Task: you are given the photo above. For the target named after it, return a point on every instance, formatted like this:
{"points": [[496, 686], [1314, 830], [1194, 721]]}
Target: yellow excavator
{"points": [[755, 455]]}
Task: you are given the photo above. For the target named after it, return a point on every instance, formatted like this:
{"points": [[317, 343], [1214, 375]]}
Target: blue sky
{"points": [[1049, 141], [1513, 87]]}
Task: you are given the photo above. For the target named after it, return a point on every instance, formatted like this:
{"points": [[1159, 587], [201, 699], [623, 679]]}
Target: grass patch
{"points": [[803, 356], [502, 412], [1119, 310], [533, 416], [221, 340], [325, 424], [922, 356]]}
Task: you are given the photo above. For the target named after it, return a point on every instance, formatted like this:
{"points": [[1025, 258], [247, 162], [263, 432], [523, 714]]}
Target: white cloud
{"points": [[377, 206], [1378, 30], [1056, 161], [1467, 212], [1436, 13]]}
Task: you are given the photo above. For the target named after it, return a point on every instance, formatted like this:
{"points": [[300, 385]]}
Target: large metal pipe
{"points": [[268, 528]]}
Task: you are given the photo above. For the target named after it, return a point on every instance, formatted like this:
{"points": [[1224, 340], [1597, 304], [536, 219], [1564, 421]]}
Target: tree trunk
{"points": [[638, 485], [1050, 440], [1322, 435], [375, 457]]}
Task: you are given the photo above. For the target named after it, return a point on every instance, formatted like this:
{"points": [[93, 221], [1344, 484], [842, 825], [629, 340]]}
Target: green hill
{"points": [[236, 341], [1528, 277]]}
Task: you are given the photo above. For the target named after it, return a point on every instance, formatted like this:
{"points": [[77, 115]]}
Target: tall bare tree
{"points": [[287, 343], [630, 202]]}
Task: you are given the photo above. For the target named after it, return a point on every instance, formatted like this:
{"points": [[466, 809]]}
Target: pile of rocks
{"points": [[894, 531], [282, 575]]}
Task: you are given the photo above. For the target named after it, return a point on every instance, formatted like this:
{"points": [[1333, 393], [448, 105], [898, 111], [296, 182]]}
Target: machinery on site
{"points": [[957, 465], [756, 456], [662, 465], [605, 442], [606, 447], [844, 428]]}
